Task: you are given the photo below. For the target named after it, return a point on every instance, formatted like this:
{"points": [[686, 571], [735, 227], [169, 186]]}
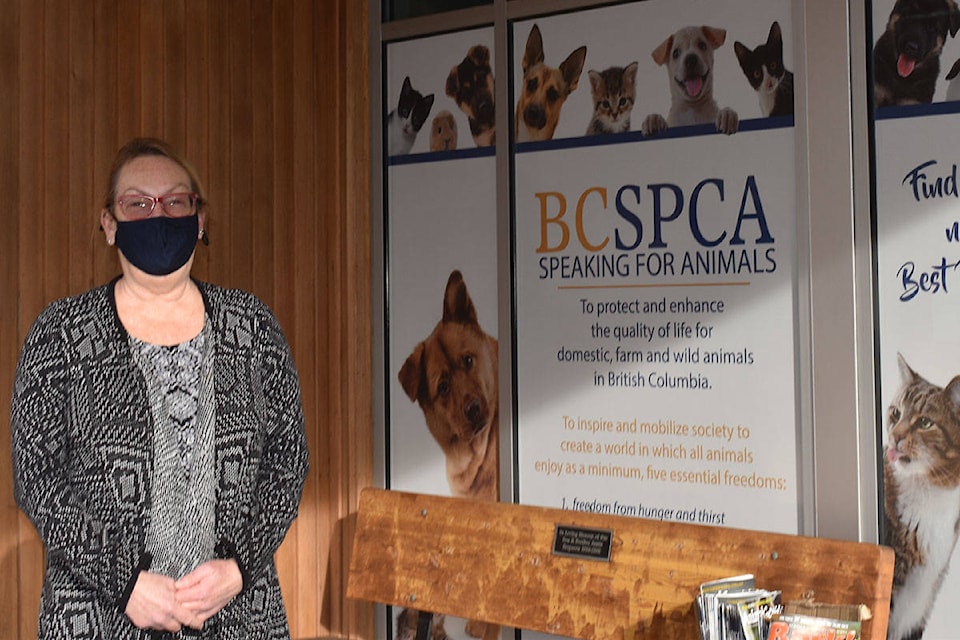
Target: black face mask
{"points": [[158, 245]]}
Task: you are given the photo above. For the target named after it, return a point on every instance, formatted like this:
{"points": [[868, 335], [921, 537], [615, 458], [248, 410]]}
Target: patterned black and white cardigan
{"points": [[82, 461]]}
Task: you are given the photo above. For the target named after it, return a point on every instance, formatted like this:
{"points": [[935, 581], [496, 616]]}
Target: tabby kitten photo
{"points": [[614, 92], [405, 122], [921, 481], [765, 72]]}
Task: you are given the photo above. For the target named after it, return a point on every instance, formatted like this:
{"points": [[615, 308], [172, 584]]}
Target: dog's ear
{"points": [[533, 54], [954, 70], [410, 373], [715, 36], [954, 19], [480, 55], [571, 68], [662, 53], [457, 305], [453, 82]]}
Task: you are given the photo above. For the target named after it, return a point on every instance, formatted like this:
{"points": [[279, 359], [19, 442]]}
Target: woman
{"points": [[158, 441]]}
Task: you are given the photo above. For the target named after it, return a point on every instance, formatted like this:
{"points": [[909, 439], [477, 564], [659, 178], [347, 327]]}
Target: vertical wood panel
{"points": [[262, 176], [126, 35], [9, 334], [56, 129], [241, 147], [307, 323], [31, 249], [80, 201], [196, 97], [356, 313], [284, 141], [149, 78], [263, 96], [105, 124], [174, 70], [217, 171], [326, 174]]}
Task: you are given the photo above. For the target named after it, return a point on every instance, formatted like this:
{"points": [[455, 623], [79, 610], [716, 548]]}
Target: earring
{"points": [[204, 238]]}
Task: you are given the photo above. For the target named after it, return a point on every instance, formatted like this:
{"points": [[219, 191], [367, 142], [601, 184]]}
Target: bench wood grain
{"points": [[493, 561]]}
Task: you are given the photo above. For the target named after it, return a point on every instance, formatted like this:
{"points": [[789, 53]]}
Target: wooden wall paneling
{"points": [[262, 97], [219, 142], [358, 619], [9, 332], [283, 272], [149, 76], [56, 139], [31, 260], [309, 204], [105, 116], [173, 80], [241, 149], [329, 136], [127, 36], [196, 91], [80, 203]]}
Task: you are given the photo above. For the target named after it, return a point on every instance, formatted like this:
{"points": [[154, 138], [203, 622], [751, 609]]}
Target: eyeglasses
{"points": [[174, 205]]}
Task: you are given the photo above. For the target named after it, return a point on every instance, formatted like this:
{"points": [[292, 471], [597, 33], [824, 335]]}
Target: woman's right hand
{"points": [[153, 605]]}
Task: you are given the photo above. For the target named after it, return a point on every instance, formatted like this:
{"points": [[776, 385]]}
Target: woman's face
{"points": [[154, 176], [146, 175]]}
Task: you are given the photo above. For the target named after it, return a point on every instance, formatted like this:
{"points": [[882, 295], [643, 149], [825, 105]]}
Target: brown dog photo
{"points": [[453, 376], [470, 85], [544, 89]]}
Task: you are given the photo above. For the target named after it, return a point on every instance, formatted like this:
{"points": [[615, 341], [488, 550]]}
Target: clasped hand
{"points": [[164, 604]]}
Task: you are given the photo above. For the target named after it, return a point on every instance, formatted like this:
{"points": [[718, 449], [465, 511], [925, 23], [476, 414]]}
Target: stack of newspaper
{"points": [[735, 609]]}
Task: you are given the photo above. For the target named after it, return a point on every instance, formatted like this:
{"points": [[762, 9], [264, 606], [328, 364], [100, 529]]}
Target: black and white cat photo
{"points": [[405, 122], [921, 482], [614, 91], [765, 72]]}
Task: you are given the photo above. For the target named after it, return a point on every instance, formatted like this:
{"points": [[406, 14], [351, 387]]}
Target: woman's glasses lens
{"points": [[175, 205]]}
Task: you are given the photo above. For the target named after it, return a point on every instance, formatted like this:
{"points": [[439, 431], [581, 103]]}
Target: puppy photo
{"points": [[470, 84], [544, 89], [906, 57], [688, 56], [443, 132], [453, 375]]}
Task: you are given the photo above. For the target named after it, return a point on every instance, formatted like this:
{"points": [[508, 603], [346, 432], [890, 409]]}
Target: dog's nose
{"points": [[534, 117], [485, 111], [691, 63], [475, 413]]}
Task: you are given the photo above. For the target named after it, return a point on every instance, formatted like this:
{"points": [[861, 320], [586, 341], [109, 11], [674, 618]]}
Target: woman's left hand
{"points": [[208, 588]]}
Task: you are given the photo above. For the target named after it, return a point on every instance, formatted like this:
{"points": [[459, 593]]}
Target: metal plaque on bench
{"points": [[582, 542]]}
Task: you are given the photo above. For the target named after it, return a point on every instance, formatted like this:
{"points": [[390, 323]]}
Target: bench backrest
{"points": [[495, 562]]}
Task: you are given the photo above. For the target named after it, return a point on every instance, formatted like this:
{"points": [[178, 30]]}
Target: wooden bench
{"points": [[495, 562]]}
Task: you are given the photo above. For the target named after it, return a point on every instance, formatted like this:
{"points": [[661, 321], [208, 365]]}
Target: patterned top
{"points": [[83, 459], [182, 521]]}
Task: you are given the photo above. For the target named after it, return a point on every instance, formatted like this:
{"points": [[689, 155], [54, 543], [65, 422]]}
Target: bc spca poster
{"points": [[655, 216], [917, 148], [442, 369]]}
